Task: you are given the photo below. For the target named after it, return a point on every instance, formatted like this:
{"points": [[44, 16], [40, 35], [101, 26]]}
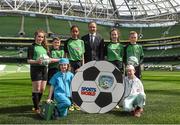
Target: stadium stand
{"points": [[163, 53], [56, 26], [161, 44]]}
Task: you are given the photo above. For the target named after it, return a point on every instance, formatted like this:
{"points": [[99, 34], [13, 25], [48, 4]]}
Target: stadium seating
{"points": [[162, 53], [10, 26]]}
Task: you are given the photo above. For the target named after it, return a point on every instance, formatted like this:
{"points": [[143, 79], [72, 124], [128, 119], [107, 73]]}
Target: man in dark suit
{"points": [[94, 44]]}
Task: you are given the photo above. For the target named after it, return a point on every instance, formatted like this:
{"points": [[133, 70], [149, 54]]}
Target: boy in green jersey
{"points": [[114, 50], [55, 52], [134, 54]]}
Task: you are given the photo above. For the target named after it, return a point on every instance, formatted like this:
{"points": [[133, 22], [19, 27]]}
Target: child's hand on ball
{"points": [[39, 61]]}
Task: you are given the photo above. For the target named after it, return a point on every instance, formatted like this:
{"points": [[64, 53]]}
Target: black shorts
{"points": [[38, 73], [51, 72]]}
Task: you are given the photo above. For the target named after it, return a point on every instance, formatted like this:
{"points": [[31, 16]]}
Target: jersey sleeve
{"points": [[122, 51], [65, 46], [142, 55], [125, 54], [83, 47], [105, 49], [30, 52]]}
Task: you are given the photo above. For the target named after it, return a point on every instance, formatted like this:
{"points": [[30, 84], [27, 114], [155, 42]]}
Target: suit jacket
{"points": [[98, 47]]}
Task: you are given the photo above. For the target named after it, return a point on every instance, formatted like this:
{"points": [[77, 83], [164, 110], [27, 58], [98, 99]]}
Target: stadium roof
{"points": [[116, 10]]}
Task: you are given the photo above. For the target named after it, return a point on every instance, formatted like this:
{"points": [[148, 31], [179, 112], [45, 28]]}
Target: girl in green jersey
{"points": [[114, 49], [74, 49], [38, 71]]}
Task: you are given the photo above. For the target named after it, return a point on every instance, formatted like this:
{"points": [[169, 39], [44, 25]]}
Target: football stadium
{"points": [[157, 23]]}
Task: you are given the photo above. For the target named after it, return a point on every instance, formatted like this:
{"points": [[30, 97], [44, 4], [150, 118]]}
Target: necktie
{"points": [[93, 47], [91, 38]]}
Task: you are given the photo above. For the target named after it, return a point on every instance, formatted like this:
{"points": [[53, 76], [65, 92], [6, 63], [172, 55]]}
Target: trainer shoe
{"points": [[33, 109], [77, 107], [71, 108], [37, 111]]}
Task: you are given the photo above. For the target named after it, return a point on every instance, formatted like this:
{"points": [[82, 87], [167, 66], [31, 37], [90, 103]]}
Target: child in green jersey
{"points": [[134, 54], [114, 49], [74, 49], [55, 52], [38, 71]]}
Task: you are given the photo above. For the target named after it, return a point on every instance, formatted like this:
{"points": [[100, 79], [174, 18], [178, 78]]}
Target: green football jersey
{"points": [[39, 51], [134, 50], [55, 53], [114, 51], [75, 49]]}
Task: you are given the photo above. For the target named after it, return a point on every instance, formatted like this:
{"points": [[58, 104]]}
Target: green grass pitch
{"points": [[162, 105]]}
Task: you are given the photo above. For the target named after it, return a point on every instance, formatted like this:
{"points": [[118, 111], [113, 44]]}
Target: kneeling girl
{"points": [[60, 85]]}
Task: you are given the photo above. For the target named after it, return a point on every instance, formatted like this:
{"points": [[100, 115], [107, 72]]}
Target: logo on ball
{"points": [[106, 82], [88, 91]]}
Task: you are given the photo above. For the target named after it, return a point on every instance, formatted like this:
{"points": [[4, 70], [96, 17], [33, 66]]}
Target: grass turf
{"points": [[162, 105]]}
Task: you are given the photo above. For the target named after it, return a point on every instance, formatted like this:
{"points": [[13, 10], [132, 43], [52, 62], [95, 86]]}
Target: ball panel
{"points": [[90, 74], [117, 93], [88, 91], [118, 75], [105, 66], [108, 108], [77, 81], [103, 99], [76, 98], [86, 65], [105, 81], [90, 107]]}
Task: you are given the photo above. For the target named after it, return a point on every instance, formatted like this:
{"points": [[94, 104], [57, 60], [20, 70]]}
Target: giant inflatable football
{"points": [[97, 87]]}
